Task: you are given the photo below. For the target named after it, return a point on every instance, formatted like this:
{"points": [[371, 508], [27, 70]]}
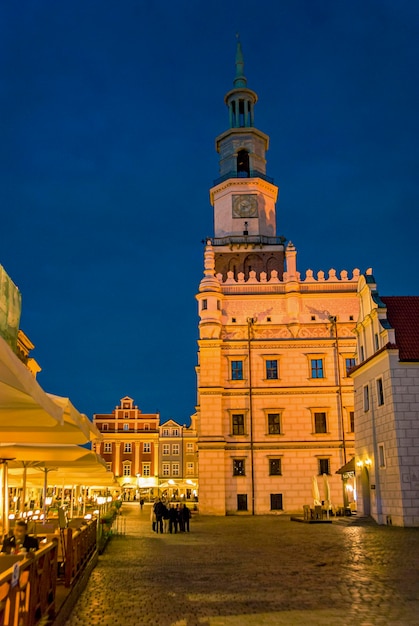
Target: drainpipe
{"points": [[333, 321], [250, 322]]}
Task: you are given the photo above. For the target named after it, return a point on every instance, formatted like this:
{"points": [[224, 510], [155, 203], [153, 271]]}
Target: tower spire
{"points": [[240, 79]]}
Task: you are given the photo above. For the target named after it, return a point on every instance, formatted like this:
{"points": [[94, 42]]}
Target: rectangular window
{"points": [[381, 455], [175, 432], [238, 424], [126, 427], [349, 364], [272, 369], [366, 398], [166, 448], [351, 421], [376, 342], [237, 370], [317, 368], [238, 467], [146, 447], [274, 426], [276, 502], [175, 469], [166, 469], [105, 426], [204, 305], [320, 423], [175, 448], [165, 432], [324, 466], [242, 501], [275, 468], [189, 447], [127, 470], [146, 469], [127, 447], [380, 392], [190, 469], [362, 353], [107, 447]]}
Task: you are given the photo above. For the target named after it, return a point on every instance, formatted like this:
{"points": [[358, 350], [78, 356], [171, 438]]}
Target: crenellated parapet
{"points": [[272, 283]]}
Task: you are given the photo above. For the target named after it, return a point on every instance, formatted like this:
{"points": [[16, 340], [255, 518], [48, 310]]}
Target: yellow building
{"points": [[275, 403]]}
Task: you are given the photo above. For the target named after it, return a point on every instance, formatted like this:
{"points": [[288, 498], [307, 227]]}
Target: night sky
{"points": [[109, 113]]}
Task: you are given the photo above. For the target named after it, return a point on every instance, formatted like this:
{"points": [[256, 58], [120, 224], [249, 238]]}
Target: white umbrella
{"points": [[327, 493], [316, 492]]}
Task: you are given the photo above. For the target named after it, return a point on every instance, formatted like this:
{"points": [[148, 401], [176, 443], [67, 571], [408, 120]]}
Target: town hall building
{"points": [[275, 412]]}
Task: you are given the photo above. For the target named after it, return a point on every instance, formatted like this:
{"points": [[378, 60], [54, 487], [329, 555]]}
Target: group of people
{"points": [[170, 518]]}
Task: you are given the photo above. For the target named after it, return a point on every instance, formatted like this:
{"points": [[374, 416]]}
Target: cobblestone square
{"points": [[241, 570]]}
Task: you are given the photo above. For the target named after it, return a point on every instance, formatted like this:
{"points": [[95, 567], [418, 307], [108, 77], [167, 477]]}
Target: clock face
{"points": [[245, 205]]}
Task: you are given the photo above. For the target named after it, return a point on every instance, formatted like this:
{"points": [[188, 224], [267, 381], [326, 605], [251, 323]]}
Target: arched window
{"points": [[243, 170]]}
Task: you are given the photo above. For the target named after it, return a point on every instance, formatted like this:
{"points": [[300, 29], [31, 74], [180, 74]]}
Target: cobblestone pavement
{"points": [[253, 571]]}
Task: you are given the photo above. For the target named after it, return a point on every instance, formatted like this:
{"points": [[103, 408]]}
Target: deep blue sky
{"points": [[109, 111]]}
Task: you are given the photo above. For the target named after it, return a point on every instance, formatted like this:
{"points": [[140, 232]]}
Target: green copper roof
{"points": [[240, 79]]}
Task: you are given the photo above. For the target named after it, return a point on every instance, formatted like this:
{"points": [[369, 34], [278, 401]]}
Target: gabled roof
{"points": [[403, 315]]}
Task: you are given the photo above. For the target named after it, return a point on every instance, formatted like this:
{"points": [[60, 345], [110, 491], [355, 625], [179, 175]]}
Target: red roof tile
{"points": [[403, 316]]}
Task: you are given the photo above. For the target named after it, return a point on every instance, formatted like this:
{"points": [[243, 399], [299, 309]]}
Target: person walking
{"points": [[141, 503]]}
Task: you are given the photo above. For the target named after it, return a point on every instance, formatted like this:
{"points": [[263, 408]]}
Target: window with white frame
{"points": [[166, 469], [146, 447], [107, 447], [127, 448], [190, 469], [105, 426], [175, 469], [175, 432], [126, 426], [166, 448], [126, 469], [175, 448], [189, 447], [165, 432], [146, 469]]}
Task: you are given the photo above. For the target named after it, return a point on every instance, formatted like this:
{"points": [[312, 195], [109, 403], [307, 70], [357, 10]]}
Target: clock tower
{"points": [[243, 196]]}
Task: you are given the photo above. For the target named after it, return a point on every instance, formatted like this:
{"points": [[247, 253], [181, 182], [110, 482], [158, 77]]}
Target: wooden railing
{"points": [[27, 586], [80, 547]]}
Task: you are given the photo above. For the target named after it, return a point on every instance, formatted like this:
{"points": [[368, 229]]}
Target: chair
{"points": [[318, 512]]}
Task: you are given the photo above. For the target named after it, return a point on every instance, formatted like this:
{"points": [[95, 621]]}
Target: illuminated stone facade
{"points": [[275, 403], [143, 454], [386, 384], [130, 443]]}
